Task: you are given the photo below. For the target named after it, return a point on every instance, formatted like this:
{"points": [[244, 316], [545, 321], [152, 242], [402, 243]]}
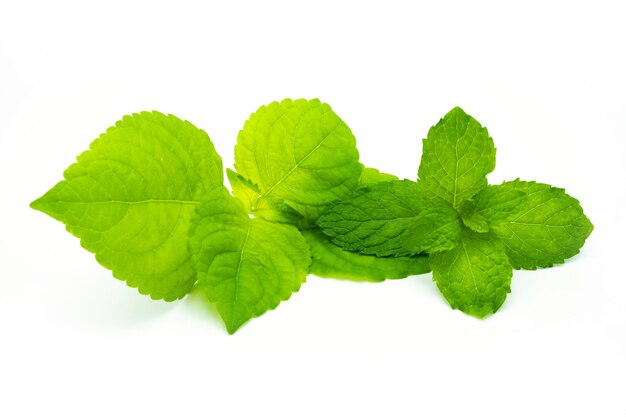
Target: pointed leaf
{"points": [[245, 190], [547, 228], [474, 277], [456, 158], [246, 266], [131, 196]]}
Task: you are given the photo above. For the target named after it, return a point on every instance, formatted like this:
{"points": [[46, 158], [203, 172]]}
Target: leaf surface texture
{"points": [[130, 199], [457, 155], [245, 265], [391, 219], [300, 152], [546, 229], [474, 277]]}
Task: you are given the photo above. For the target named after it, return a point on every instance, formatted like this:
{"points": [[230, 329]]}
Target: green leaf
{"points": [[300, 152], [546, 228], [472, 219], [131, 196], [329, 260], [391, 219], [489, 205], [457, 155], [246, 266], [269, 208], [372, 176], [474, 277], [245, 190]]}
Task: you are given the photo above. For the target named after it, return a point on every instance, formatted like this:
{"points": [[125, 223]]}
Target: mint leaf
{"points": [[546, 228], [471, 218], [300, 152], [373, 176], [329, 260], [269, 208], [457, 155], [390, 219], [131, 196], [474, 277], [491, 204], [246, 266], [245, 190]]}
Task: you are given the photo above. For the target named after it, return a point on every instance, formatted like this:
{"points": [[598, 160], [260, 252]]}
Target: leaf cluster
{"points": [[475, 234], [148, 199]]}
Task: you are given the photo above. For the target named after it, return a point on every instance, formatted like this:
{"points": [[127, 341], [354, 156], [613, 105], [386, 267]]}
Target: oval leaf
{"points": [[474, 277], [456, 158], [391, 219], [547, 228], [300, 152]]}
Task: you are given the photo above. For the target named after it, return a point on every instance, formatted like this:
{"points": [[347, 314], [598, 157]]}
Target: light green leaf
{"points": [[457, 155], [245, 190], [491, 204], [329, 260], [269, 208], [131, 196], [372, 176], [391, 219], [474, 277], [246, 266], [546, 228], [300, 152]]}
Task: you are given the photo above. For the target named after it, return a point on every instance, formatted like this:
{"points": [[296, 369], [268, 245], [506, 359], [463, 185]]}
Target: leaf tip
{"points": [[232, 326], [38, 204], [456, 111], [233, 316], [231, 330]]}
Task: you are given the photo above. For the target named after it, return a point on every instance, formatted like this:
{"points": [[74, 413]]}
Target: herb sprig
{"points": [[148, 198]]}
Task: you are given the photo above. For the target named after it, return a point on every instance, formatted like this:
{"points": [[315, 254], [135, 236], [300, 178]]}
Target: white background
{"points": [[546, 78]]}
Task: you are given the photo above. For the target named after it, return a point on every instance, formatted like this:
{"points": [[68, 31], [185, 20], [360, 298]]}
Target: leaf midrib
{"points": [[470, 267]]}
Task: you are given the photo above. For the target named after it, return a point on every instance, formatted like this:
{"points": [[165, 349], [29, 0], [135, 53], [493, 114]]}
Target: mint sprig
{"points": [[518, 224]]}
